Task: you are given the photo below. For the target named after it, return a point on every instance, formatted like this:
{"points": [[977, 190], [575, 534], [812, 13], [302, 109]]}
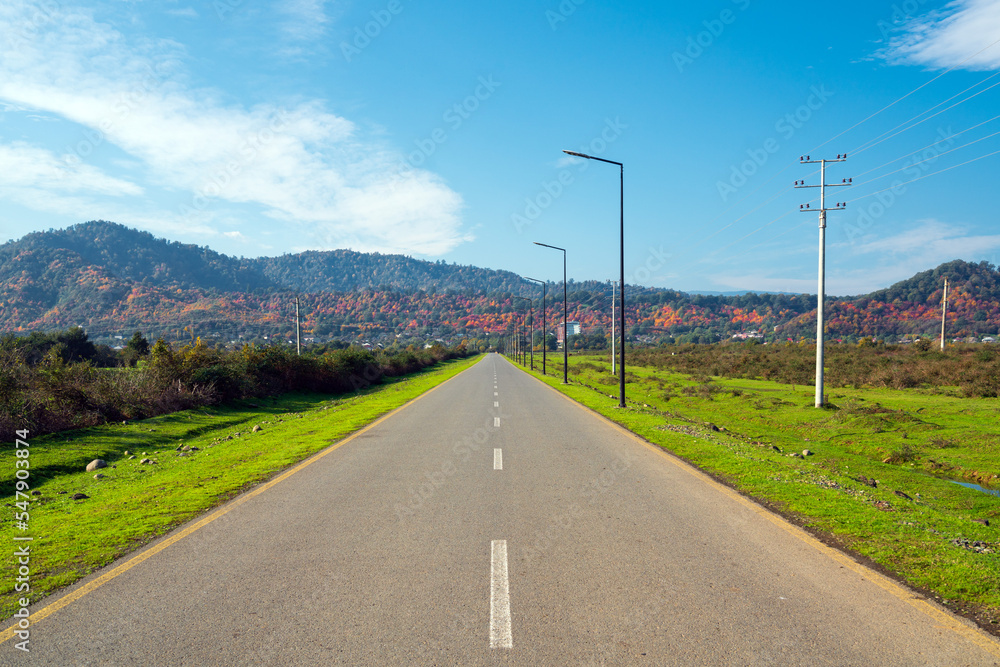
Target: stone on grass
{"points": [[80, 496], [806, 452], [96, 464], [256, 428], [99, 476]]}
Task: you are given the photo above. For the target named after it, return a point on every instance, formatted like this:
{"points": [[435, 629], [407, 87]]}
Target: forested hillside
{"points": [[113, 281]]}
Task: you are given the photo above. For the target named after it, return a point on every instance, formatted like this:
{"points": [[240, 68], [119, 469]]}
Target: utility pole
{"points": [[298, 330], [823, 185], [944, 311]]}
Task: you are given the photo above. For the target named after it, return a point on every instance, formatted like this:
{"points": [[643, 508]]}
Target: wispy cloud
{"points": [[927, 244], [948, 37], [299, 164], [305, 20], [931, 242], [26, 166], [185, 13]]}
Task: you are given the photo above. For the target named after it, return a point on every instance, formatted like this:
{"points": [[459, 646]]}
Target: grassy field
{"points": [[879, 478], [200, 457]]}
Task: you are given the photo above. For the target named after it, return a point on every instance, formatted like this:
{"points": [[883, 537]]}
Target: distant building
{"points": [[572, 329]]}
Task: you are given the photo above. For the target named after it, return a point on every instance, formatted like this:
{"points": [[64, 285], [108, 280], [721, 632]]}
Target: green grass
{"points": [[136, 502], [915, 442]]}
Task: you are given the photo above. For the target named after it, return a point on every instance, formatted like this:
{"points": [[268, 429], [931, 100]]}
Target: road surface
{"points": [[493, 521]]}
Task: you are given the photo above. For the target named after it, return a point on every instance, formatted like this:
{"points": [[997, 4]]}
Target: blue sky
{"points": [[436, 129]]}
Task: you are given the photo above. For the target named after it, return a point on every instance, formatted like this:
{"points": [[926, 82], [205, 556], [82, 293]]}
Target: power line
{"points": [[929, 117], [950, 136], [865, 120], [920, 178], [909, 166]]}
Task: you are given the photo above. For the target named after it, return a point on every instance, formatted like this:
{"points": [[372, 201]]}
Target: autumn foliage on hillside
{"points": [[112, 280]]}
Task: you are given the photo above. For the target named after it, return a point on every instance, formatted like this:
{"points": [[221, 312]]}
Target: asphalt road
{"points": [[416, 542]]}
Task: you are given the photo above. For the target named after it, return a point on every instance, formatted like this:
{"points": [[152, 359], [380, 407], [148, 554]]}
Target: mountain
{"points": [[346, 271], [127, 255], [114, 280]]}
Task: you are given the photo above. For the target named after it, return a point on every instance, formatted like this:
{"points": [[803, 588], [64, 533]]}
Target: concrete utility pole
{"points": [[823, 185], [944, 311], [298, 331]]}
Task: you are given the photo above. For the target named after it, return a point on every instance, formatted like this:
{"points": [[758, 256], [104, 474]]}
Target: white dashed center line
{"points": [[498, 459], [496, 404], [500, 634], [496, 422]]}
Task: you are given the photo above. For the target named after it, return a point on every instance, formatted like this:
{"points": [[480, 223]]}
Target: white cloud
{"points": [[949, 37], [26, 166], [929, 243], [298, 164]]}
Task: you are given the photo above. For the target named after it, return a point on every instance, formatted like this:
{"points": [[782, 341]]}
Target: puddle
{"points": [[976, 487]]}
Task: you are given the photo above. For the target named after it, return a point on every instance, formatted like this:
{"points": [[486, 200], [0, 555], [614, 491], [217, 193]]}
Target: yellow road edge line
{"points": [[950, 621], [90, 586]]}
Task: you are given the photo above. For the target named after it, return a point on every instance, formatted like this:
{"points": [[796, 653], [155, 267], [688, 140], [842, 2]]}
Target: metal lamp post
{"points": [[565, 314], [621, 364], [531, 330], [524, 354], [544, 339]]}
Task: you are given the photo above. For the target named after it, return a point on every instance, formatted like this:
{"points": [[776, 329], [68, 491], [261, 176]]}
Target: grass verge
{"points": [[201, 458], [879, 478]]}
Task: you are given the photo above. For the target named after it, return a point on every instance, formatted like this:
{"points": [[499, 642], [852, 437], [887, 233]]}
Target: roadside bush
{"points": [[53, 394]]}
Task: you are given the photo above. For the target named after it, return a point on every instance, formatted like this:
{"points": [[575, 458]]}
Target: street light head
{"points": [[575, 154]]}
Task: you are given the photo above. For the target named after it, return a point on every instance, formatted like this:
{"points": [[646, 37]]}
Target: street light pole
{"points": [[613, 327], [524, 354], [621, 302], [565, 314], [545, 342]]}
